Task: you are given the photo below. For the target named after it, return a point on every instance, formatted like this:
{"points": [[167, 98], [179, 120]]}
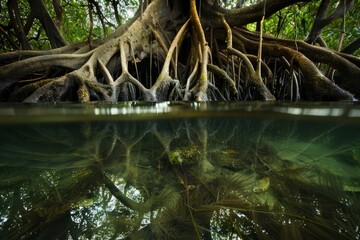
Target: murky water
{"points": [[180, 171]]}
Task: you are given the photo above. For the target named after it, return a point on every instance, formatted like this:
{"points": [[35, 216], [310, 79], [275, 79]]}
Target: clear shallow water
{"points": [[180, 171]]}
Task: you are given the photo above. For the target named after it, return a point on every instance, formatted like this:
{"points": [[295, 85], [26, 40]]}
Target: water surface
{"points": [[180, 171]]}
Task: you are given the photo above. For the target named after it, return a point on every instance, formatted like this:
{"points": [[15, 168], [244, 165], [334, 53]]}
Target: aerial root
{"points": [[253, 76], [125, 82], [214, 93], [315, 84], [127, 78], [169, 89], [163, 46], [190, 79], [223, 75], [265, 70], [346, 66], [107, 75], [164, 82], [198, 92]]}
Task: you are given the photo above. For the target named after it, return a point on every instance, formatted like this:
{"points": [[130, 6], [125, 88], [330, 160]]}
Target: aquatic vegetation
{"points": [[190, 179]]}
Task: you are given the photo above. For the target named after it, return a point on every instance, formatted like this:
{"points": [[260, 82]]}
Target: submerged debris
{"points": [[185, 155], [261, 185]]}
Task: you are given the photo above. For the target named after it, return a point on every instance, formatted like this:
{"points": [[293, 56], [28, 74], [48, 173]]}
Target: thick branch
{"points": [[10, 39], [17, 24], [53, 91], [40, 12], [18, 70], [352, 47], [6, 58], [322, 21], [253, 13], [58, 11]]}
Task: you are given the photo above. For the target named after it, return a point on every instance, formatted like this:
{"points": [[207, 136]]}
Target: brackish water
{"points": [[180, 171]]}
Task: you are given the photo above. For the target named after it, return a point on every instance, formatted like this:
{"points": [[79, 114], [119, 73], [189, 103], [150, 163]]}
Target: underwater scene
{"points": [[180, 171]]}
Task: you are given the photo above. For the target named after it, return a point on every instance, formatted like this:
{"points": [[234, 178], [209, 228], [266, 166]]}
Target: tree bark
{"points": [[39, 11]]}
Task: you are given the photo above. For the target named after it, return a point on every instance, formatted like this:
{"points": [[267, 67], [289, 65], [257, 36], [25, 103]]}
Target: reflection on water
{"points": [[186, 178]]}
